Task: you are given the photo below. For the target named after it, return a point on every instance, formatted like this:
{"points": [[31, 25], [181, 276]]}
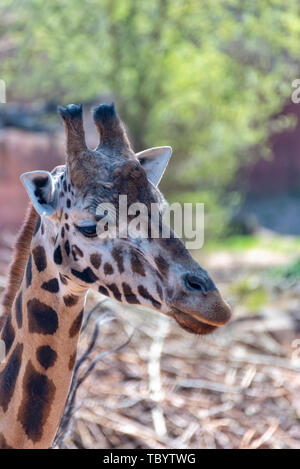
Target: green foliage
{"points": [[240, 244], [289, 273], [203, 76], [250, 292]]}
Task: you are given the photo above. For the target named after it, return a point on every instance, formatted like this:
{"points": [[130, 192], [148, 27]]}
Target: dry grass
{"points": [[168, 389]]}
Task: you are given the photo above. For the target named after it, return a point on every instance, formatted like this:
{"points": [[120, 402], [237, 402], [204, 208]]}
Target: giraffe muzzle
{"points": [[199, 307]]}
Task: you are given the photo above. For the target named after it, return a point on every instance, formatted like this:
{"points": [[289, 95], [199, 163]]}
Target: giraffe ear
{"points": [[154, 161], [41, 190]]}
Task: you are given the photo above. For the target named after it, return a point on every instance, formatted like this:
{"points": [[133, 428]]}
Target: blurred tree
{"points": [[205, 76]]}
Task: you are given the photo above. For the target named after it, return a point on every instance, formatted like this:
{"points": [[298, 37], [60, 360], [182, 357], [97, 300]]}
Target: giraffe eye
{"points": [[88, 231]]}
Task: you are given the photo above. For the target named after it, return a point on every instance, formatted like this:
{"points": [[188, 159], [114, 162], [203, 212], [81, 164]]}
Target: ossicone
{"points": [[110, 127]]}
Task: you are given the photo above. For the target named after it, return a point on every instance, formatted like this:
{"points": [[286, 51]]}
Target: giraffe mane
{"points": [[18, 264]]}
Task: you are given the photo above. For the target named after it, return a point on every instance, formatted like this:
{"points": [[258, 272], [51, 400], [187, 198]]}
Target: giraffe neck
{"points": [[41, 334]]}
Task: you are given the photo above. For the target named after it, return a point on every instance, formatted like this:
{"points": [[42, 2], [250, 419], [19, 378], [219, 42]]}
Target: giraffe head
{"points": [[155, 272]]}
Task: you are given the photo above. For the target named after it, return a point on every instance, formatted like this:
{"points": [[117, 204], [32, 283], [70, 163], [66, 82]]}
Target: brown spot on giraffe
{"points": [[76, 252], [108, 269], [57, 256], [115, 291], [70, 300], [19, 312], [103, 290], [67, 247], [136, 264], [145, 294], [46, 356], [38, 395], [39, 256], [86, 275], [42, 319], [29, 271], [117, 255], [51, 286], [37, 226], [9, 375], [72, 361], [95, 260], [76, 325], [8, 333], [129, 295], [162, 265]]}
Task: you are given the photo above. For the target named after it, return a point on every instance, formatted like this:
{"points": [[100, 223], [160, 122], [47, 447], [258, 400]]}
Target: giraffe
{"points": [[59, 256]]}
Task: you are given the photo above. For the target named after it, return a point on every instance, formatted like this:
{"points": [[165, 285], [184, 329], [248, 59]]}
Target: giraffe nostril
{"points": [[192, 282], [195, 283]]}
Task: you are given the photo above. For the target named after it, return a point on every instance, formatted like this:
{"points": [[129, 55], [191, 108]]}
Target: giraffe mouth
{"points": [[192, 325]]}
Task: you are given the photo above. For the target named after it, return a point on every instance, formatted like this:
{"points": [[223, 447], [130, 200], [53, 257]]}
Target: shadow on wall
{"points": [[279, 175], [272, 186], [22, 151]]}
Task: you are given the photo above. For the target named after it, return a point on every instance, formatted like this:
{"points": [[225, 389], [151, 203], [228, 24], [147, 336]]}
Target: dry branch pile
{"points": [[168, 389]]}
